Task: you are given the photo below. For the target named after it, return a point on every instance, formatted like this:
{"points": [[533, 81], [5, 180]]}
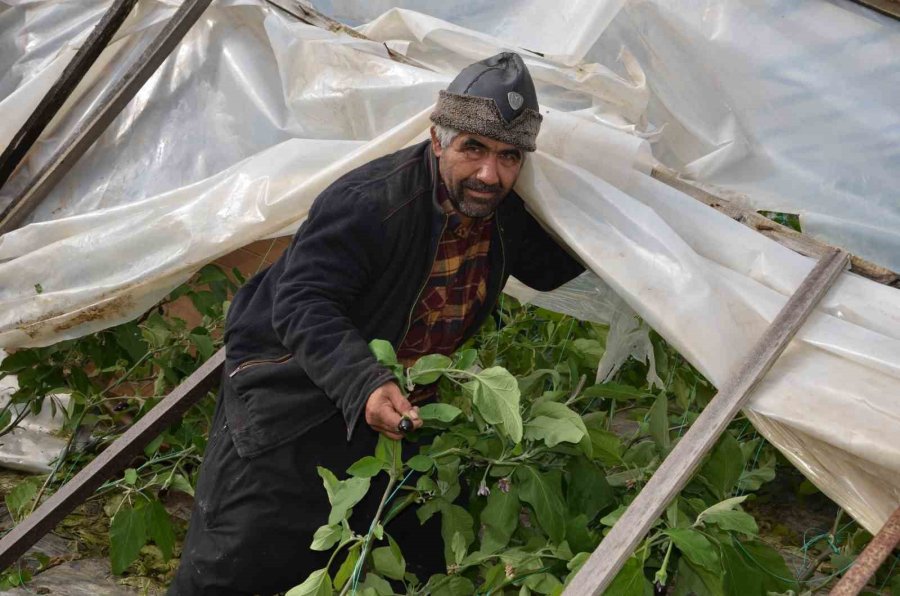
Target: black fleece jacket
{"points": [[297, 333]]}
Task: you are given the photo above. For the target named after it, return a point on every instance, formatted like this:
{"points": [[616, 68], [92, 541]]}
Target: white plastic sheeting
{"points": [[254, 114]]}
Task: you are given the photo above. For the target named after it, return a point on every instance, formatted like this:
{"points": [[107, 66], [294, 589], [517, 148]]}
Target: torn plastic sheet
{"points": [[589, 299], [34, 445], [254, 114]]}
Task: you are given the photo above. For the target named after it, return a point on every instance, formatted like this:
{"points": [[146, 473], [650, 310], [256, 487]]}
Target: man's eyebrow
{"points": [[472, 142], [513, 152]]}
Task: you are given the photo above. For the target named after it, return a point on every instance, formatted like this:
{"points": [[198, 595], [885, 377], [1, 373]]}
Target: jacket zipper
{"points": [[424, 284], [251, 363]]}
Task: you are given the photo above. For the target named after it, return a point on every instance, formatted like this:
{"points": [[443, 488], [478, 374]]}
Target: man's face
{"points": [[478, 171]]}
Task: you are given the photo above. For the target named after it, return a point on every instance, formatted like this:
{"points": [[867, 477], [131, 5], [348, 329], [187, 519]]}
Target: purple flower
{"points": [[483, 489], [504, 485]]}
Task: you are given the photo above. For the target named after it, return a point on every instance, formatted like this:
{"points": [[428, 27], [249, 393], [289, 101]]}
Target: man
{"points": [[413, 248]]}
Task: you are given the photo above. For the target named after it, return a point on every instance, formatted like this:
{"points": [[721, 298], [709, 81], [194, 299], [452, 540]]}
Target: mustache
{"points": [[479, 186]]}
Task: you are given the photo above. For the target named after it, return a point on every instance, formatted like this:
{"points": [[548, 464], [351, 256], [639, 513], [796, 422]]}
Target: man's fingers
{"points": [[403, 407]]}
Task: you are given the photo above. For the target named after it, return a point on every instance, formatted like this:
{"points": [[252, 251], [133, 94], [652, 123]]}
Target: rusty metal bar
{"points": [[868, 562], [64, 86], [113, 459], [110, 105]]}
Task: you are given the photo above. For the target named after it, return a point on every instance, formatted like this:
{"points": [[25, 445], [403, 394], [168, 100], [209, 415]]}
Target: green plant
{"points": [[113, 378], [547, 465]]}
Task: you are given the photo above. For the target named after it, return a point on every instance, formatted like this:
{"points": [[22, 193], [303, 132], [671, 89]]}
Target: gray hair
{"points": [[445, 134]]}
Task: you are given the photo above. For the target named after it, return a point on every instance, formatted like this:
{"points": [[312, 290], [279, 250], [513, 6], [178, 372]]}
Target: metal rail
{"points": [[872, 557], [113, 459], [110, 105], [63, 87]]}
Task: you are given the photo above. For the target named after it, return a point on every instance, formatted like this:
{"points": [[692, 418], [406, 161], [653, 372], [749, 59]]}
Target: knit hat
{"points": [[494, 98]]}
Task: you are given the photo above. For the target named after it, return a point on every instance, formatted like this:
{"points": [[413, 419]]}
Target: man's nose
{"points": [[487, 172]]}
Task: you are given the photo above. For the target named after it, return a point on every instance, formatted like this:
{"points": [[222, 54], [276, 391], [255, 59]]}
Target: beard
{"points": [[476, 206]]}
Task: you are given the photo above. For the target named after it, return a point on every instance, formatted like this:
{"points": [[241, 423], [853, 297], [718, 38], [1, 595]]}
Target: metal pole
{"points": [[112, 103], [113, 459], [61, 90], [868, 562]]}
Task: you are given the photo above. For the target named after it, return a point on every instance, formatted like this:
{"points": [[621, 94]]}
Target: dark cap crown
{"points": [[503, 78]]}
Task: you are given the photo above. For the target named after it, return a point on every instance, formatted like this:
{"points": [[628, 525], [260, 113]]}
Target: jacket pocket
{"points": [[272, 402]]}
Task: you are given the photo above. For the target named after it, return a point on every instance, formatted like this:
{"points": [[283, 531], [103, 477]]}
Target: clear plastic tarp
{"points": [[255, 113]]}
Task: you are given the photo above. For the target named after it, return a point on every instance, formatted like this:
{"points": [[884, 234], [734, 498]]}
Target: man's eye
{"points": [[474, 152], [510, 159]]}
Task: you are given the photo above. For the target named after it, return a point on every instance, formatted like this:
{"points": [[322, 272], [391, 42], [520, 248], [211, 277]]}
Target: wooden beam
{"points": [[872, 557], [112, 460], [110, 105], [684, 459], [890, 8], [730, 204], [64, 86]]}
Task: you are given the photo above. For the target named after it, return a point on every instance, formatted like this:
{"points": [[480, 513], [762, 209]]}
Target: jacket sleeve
{"points": [[541, 263], [332, 259]]}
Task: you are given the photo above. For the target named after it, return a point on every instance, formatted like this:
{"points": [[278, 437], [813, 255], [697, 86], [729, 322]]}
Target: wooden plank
{"points": [[730, 204], [684, 459], [872, 557], [64, 86], [890, 8], [110, 105], [111, 461]]}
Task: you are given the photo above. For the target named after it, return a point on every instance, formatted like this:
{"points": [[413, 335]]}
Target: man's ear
{"points": [[435, 143]]}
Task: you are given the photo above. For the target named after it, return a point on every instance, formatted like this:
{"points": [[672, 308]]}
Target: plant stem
{"points": [[367, 542]]}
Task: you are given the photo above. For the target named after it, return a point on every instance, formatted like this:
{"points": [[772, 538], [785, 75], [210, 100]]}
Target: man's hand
{"points": [[386, 407]]}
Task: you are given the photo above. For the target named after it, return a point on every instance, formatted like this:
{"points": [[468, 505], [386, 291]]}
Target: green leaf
{"points": [[740, 576], [552, 431], [420, 463], [429, 369], [455, 585], [131, 476], [591, 350], [724, 466], [317, 584], [383, 351], [543, 583], [326, 537], [204, 345], [496, 396], [366, 467], [388, 563], [390, 452], [465, 359], [20, 497], [542, 491], [578, 535], [127, 534], [724, 515], [774, 573], [439, 412], [455, 519], [569, 427], [615, 391], [458, 547], [347, 494], [659, 421], [499, 519], [588, 491], [159, 528], [180, 483], [346, 569], [330, 481], [696, 547], [692, 579], [630, 580], [606, 447]]}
